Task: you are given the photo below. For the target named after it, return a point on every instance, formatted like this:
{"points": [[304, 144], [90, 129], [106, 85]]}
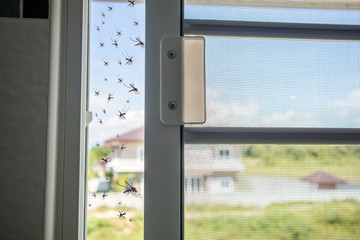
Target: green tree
{"points": [[95, 155]]}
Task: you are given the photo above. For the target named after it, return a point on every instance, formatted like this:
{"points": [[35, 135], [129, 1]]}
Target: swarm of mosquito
{"points": [[105, 160], [115, 43], [129, 60], [133, 89], [120, 79], [138, 42], [110, 96], [122, 113], [131, 3], [122, 213], [106, 62], [118, 32], [130, 189], [136, 22], [123, 146]]}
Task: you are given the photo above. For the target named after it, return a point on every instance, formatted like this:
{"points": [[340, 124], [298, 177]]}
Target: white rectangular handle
{"points": [[182, 83]]}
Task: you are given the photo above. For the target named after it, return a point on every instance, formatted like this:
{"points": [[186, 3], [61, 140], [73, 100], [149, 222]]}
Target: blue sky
{"points": [[250, 82]]}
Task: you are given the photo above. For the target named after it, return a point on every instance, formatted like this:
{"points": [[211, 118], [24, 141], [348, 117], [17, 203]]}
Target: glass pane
{"points": [[321, 12], [116, 134], [272, 192], [282, 83]]}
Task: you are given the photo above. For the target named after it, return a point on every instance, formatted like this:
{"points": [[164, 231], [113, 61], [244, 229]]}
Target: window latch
{"points": [[182, 80]]}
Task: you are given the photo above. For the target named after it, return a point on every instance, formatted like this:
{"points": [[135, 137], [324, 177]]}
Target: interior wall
{"points": [[24, 64]]}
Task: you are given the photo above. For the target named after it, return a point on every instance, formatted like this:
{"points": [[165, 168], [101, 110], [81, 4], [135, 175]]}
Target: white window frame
{"points": [[65, 215]]}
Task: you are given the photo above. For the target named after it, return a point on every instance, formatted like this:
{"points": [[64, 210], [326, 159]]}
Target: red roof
{"points": [[322, 177], [136, 135]]}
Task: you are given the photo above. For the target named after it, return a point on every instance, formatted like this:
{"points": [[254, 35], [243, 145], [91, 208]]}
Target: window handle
{"points": [[182, 80], [88, 117]]}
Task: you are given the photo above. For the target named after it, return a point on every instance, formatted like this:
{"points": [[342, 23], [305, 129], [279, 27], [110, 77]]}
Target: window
{"points": [[270, 84], [224, 184], [163, 150]]}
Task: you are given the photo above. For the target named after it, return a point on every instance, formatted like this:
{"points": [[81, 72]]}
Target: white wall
{"points": [[24, 50]]}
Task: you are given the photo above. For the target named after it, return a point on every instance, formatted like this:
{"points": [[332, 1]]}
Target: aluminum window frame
{"points": [[65, 213]]}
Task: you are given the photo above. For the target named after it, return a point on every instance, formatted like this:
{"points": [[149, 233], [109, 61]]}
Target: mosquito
{"points": [[117, 135], [131, 3], [118, 32], [104, 160], [120, 79], [97, 144], [123, 213], [103, 14], [105, 79], [110, 8], [104, 195], [123, 146], [97, 93], [119, 62], [100, 121], [129, 187], [98, 28], [101, 44], [94, 195], [123, 113], [138, 42], [96, 115], [128, 101], [136, 23], [129, 59], [102, 22], [104, 110], [110, 96], [106, 63], [89, 204], [115, 43], [133, 89]]}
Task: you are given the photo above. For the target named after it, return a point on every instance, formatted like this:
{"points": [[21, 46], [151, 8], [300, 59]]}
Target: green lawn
{"points": [[300, 161], [291, 221], [104, 225], [337, 220]]}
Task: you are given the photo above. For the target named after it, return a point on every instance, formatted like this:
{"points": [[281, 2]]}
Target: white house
{"points": [[211, 168], [127, 155]]}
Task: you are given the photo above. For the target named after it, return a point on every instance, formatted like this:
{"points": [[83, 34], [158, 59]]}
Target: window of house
{"points": [[282, 86], [224, 184]]}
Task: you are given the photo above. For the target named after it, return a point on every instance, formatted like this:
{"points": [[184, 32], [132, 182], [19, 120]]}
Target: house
{"points": [[213, 168], [324, 180], [127, 156]]}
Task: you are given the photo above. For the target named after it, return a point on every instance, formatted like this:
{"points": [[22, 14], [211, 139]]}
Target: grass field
{"points": [[337, 220], [291, 221], [300, 161]]}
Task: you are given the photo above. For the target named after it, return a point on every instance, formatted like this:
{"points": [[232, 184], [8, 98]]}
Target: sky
{"points": [[249, 82]]}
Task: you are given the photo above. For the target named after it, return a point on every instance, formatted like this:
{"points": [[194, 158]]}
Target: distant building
{"points": [[129, 159], [324, 180], [213, 168]]}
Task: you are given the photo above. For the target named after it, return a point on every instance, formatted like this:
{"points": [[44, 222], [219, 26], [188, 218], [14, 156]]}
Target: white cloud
{"points": [[250, 114], [99, 133], [345, 106]]}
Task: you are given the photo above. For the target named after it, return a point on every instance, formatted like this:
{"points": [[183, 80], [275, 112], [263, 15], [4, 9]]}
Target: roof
{"points": [[322, 177], [136, 135]]}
